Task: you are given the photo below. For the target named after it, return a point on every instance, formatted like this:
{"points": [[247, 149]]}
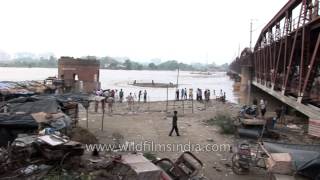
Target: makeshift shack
{"points": [[27, 114]]}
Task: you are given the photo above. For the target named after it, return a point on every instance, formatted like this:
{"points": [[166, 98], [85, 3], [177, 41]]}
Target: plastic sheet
{"points": [[306, 158]]}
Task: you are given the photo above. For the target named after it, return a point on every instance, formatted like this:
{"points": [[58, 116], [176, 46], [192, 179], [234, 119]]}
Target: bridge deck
{"points": [[309, 111]]}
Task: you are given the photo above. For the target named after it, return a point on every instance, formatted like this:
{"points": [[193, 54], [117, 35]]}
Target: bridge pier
{"points": [[245, 78]]}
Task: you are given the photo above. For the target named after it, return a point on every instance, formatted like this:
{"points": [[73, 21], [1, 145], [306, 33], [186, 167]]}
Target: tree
{"points": [[128, 64], [152, 66]]}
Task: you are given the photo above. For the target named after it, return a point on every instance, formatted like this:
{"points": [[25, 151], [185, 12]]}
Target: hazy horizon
{"points": [[188, 31]]}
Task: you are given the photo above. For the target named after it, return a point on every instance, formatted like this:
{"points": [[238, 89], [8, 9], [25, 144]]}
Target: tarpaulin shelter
{"points": [[306, 158], [21, 118]]}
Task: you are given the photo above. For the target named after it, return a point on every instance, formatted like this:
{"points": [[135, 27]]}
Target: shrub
{"points": [[224, 121]]}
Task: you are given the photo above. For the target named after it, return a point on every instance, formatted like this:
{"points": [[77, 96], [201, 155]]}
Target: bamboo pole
{"points": [[183, 107], [87, 117], [103, 111], [167, 98]]}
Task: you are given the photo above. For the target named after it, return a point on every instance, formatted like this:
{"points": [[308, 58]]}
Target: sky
{"points": [[185, 30]]}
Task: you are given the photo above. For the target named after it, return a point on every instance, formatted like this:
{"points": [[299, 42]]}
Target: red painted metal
{"points": [[281, 56], [311, 65]]}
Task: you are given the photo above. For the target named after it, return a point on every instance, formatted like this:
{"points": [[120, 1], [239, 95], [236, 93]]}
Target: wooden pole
{"points": [[148, 103], [167, 98], [178, 78], [87, 116], [192, 105], [182, 106], [103, 111], [102, 121]]}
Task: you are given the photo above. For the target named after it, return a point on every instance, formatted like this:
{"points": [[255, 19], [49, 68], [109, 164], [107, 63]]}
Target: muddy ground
{"points": [[151, 122]]}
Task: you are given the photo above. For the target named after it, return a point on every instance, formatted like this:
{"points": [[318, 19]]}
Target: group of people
{"points": [[112, 95], [200, 96], [183, 94], [119, 97]]}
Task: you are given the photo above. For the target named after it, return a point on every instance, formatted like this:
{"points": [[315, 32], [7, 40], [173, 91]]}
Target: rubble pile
{"points": [[34, 133]]}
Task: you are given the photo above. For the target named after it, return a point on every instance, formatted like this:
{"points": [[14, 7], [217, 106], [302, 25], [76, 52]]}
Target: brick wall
{"points": [[87, 71]]}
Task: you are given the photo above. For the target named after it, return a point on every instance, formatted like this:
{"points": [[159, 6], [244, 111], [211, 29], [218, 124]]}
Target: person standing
{"points": [[205, 94], [190, 94], [263, 108], [198, 94], [185, 94], [130, 102], [145, 96], [182, 93], [110, 101], [177, 94], [174, 124], [112, 93], [139, 95], [116, 96], [121, 95]]}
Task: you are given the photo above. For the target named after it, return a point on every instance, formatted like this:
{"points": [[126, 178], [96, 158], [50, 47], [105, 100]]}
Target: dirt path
{"points": [[150, 122]]}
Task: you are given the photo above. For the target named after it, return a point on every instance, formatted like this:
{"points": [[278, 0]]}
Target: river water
{"points": [[120, 79]]}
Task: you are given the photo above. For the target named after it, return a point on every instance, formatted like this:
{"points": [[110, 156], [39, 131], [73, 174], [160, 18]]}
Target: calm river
{"points": [[120, 79]]}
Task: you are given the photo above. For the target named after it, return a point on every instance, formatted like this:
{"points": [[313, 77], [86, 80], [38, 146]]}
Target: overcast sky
{"points": [[185, 30]]}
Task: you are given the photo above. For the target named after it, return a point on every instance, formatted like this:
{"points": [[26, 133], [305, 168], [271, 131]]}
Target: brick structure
{"points": [[79, 75]]}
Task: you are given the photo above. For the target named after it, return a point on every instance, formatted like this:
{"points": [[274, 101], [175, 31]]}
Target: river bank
{"points": [[150, 122]]}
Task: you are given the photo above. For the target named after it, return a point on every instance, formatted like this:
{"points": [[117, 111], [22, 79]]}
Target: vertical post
{"points": [[182, 106], [292, 50], [192, 105], [148, 103], [301, 62], [87, 116], [102, 121], [311, 64], [96, 106], [103, 111], [133, 106], [77, 115], [167, 98], [178, 78], [251, 34]]}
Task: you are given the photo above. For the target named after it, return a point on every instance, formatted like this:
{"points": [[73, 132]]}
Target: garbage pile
{"points": [[32, 157], [29, 114], [29, 154], [34, 133], [249, 111]]}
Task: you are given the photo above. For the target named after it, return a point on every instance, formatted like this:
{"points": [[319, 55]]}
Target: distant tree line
{"points": [[115, 63], [50, 62], [127, 64]]}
